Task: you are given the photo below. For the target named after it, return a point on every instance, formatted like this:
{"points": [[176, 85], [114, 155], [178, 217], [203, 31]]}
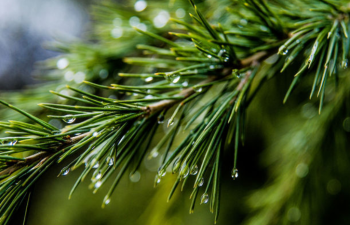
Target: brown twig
{"points": [[40, 156]]}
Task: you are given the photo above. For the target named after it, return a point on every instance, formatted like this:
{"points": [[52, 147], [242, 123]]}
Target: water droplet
{"points": [[95, 134], [201, 182], [222, 52], [155, 154], [313, 51], [285, 52], [96, 166], [140, 5], [227, 59], [176, 165], [209, 56], [157, 179], [344, 64], [263, 28], [62, 63], [98, 176], [135, 177], [149, 79], [185, 83], [329, 34], [180, 13], [160, 119], [194, 170], [121, 139], [205, 198], [243, 22], [234, 173], [98, 184], [185, 171], [111, 162], [175, 79], [212, 67], [161, 172], [66, 172], [170, 122], [198, 89], [107, 201], [69, 119]]}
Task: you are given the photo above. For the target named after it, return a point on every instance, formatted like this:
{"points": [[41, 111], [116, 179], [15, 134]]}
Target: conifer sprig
{"points": [[201, 81]]}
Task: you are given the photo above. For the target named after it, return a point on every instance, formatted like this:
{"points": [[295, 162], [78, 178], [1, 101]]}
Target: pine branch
{"points": [[214, 65]]}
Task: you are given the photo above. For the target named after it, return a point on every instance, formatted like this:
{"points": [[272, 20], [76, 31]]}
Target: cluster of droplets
{"points": [[12, 143]]}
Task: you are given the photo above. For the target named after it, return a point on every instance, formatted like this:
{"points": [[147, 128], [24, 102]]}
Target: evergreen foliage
{"points": [[199, 75]]}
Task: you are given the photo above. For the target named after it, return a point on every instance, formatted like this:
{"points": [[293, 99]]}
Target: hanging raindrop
{"points": [[12, 143], [96, 166], [66, 172], [98, 184], [185, 171], [201, 182], [285, 52], [234, 173], [204, 198], [98, 176], [111, 162], [160, 119], [170, 122], [194, 170]]}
